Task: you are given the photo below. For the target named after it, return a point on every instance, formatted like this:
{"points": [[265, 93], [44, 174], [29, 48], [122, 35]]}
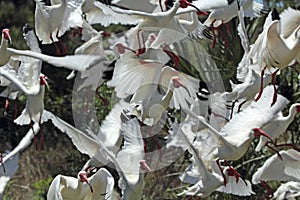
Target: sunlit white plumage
{"points": [[90, 144], [226, 13], [278, 125], [249, 88], [235, 137], [110, 131], [278, 45], [150, 102], [286, 169], [28, 79], [93, 46], [208, 179], [73, 62], [289, 190], [238, 131], [67, 187], [51, 22]]}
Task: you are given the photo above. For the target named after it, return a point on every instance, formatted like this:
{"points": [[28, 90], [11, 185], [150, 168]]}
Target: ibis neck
{"points": [[292, 113], [4, 44], [4, 54], [168, 96]]}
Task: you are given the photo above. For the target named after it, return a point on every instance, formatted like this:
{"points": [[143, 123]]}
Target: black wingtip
{"points": [[230, 1], [203, 91], [275, 14], [26, 28]]}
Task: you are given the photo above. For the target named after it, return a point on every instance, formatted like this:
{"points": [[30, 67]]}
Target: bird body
{"points": [[28, 80], [278, 125], [249, 88], [276, 169], [156, 19], [128, 169], [280, 52], [34, 108], [73, 62], [66, 187], [226, 13], [289, 190], [50, 21], [151, 108], [209, 179], [4, 54], [278, 45], [236, 136]]}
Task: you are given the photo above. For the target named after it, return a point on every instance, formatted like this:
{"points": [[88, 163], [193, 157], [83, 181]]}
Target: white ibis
{"points": [[51, 22], [288, 190], [93, 46], [170, 29], [105, 16], [199, 5], [73, 62], [278, 126], [131, 72], [150, 103], [10, 92], [110, 131], [98, 186], [236, 136], [277, 46], [132, 181], [211, 106], [154, 19], [208, 179], [247, 90], [29, 80], [274, 168], [224, 14], [96, 12]]}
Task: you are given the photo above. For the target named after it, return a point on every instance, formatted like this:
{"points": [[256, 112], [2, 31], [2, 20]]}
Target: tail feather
{"points": [[23, 119]]}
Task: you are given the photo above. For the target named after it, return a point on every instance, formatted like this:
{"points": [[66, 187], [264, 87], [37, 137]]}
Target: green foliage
{"points": [[41, 188]]}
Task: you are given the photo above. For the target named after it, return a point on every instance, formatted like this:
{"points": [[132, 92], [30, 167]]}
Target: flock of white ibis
{"points": [[156, 94]]}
